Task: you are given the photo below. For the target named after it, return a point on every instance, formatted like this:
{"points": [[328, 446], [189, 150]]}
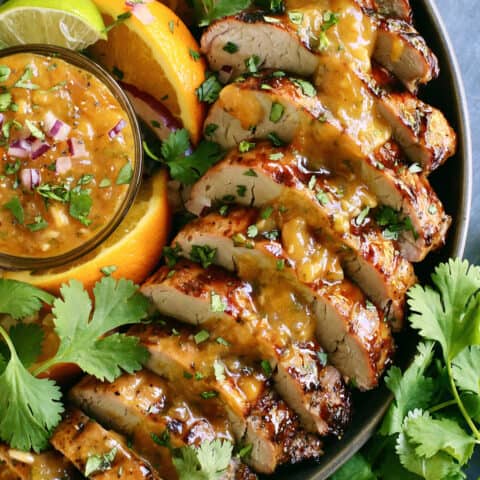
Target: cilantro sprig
{"points": [[432, 426], [31, 406], [185, 166], [209, 10]]}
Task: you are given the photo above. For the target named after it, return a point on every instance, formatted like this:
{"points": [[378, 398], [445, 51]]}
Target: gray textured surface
{"points": [[462, 18]]}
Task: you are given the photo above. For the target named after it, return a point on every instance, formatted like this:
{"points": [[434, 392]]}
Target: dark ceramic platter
{"points": [[453, 184]]}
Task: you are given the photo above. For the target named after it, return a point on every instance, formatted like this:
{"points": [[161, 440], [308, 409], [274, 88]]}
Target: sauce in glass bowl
{"points": [[67, 155]]}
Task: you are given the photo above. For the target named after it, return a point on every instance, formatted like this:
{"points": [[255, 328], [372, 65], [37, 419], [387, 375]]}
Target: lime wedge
{"points": [[73, 24]]}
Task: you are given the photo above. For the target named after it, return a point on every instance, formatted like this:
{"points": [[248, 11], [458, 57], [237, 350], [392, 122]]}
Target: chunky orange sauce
{"points": [[67, 153]]}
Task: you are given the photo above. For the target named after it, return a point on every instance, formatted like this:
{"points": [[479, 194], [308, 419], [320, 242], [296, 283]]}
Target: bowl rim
{"points": [[77, 59], [458, 240]]}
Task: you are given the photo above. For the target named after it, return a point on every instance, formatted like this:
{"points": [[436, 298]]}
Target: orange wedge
{"points": [[158, 56], [132, 251]]}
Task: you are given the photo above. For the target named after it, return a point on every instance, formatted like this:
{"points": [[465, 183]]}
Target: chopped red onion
{"points": [[60, 130], [77, 148], [19, 149], [63, 165], [1, 119], [55, 128], [117, 129], [39, 147], [30, 178]]}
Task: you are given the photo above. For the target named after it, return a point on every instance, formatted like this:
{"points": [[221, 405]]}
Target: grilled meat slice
{"points": [[368, 258], [227, 44], [143, 405], [422, 130], [340, 314], [313, 390], [79, 439], [26, 465], [400, 9], [385, 175], [257, 415], [402, 51]]}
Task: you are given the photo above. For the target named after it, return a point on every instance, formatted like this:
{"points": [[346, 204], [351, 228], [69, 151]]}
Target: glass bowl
{"points": [[13, 262]]}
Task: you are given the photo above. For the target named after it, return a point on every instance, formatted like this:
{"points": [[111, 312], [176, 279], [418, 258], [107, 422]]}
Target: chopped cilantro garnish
{"points": [[16, 209], [276, 112], [244, 146], [125, 174], [252, 63], [4, 73], [201, 336], [217, 305], [100, 463], [209, 90], [80, 205], [230, 47], [203, 254]]}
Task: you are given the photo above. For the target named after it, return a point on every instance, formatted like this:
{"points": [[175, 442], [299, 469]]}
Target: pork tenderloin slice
{"points": [[402, 51], [422, 130], [345, 321], [228, 42], [399, 9], [79, 438], [369, 259], [26, 465], [276, 434], [142, 405], [313, 390]]}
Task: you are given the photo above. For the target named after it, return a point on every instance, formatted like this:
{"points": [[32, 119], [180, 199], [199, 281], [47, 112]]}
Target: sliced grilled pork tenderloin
{"points": [[400, 9], [231, 42], [401, 50], [352, 331], [257, 415], [28, 465], [394, 185], [368, 258], [80, 439], [227, 44], [314, 390], [143, 405], [422, 131]]}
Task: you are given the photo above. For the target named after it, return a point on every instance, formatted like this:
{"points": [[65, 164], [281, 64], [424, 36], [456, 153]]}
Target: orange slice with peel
{"points": [[158, 56], [132, 251]]}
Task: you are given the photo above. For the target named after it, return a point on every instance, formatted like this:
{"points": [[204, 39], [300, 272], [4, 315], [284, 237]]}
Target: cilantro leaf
{"points": [[465, 369], [443, 435], [209, 10], [20, 300], [27, 339], [30, 406], [81, 342], [412, 390], [451, 313], [207, 462], [356, 468], [440, 465], [177, 143], [80, 206], [188, 169]]}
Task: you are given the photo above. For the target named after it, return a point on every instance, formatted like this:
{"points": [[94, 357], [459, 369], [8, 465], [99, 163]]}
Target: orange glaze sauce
{"points": [[344, 51], [56, 196]]}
